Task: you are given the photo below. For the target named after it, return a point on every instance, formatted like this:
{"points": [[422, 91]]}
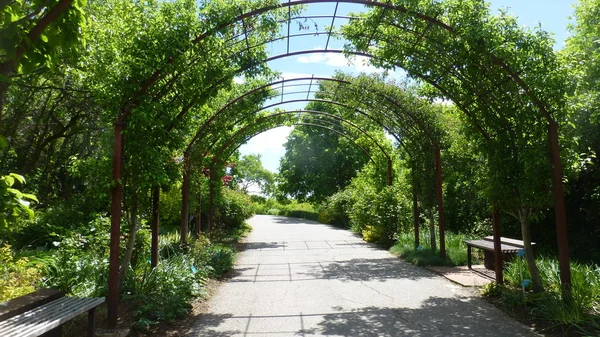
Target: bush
{"points": [[456, 249], [164, 293], [379, 215], [18, 276], [293, 209], [74, 271], [62, 220], [584, 311], [336, 209], [232, 208]]}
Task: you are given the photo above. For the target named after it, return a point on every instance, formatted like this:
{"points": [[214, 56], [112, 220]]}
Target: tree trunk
{"points": [[198, 228], [432, 231], [133, 229], [536, 280]]}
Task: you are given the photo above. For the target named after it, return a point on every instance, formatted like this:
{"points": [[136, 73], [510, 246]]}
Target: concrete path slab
{"points": [[301, 278], [476, 277]]}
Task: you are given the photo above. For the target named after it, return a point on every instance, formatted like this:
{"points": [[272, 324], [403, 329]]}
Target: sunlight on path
{"points": [[301, 278]]}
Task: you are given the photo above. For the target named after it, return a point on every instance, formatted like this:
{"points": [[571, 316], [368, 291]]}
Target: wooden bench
{"points": [[44, 312], [507, 246]]}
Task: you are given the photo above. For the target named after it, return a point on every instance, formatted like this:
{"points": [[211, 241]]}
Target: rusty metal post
{"points": [[415, 214], [390, 173], [211, 199], [558, 193], [498, 256], [185, 191], [198, 228], [154, 227], [115, 227], [440, 201]]}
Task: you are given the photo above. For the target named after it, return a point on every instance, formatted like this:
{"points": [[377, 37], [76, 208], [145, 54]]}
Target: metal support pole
{"points": [[440, 201], [154, 227], [558, 193], [185, 189], [415, 214], [115, 227], [211, 199], [390, 173], [498, 256], [198, 228]]}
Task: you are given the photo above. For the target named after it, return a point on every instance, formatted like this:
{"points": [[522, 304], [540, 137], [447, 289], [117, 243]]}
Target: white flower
{"points": [[56, 243]]}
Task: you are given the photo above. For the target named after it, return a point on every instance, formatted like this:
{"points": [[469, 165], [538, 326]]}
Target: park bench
{"points": [[43, 312], [508, 246]]}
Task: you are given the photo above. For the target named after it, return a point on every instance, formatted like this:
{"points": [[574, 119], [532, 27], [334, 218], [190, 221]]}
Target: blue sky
{"points": [[553, 15]]}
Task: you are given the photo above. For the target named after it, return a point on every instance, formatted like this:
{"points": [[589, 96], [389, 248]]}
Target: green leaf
{"points": [[18, 177]]}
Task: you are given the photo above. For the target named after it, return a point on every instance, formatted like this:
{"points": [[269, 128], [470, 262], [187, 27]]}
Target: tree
{"points": [[581, 58], [249, 172], [32, 33], [318, 163]]}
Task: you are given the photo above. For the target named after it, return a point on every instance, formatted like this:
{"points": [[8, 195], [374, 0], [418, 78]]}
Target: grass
{"points": [[456, 250], [581, 314], [294, 209]]}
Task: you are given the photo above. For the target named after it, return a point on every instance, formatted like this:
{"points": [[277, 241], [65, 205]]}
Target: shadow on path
{"points": [[437, 317]]}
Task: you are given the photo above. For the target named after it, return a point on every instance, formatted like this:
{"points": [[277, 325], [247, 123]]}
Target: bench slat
{"points": [[508, 241], [487, 245], [28, 302], [47, 316]]}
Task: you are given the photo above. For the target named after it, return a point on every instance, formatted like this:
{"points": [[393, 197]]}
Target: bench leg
{"points": [[469, 257], [91, 322], [56, 332]]}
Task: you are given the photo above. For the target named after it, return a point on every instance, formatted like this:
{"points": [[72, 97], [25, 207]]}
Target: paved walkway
{"points": [[301, 278]]}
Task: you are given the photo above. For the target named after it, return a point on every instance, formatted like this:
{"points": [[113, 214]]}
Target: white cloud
{"points": [[290, 75], [269, 145], [270, 140], [357, 63]]}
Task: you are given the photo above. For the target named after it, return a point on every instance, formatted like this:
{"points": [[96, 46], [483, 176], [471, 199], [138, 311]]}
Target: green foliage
{"points": [[456, 250], [249, 172], [491, 289], [336, 209], [14, 204], [583, 313], [317, 162], [64, 220], [293, 209], [232, 209], [163, 293], [18, 276], [18, 18]]}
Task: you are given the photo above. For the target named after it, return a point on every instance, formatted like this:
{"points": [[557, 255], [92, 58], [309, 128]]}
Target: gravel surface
{"points": [[301, 278]]}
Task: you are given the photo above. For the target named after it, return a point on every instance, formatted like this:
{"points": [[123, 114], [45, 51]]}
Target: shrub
{"points": [[18, 276], [379, 214], [164, 293], [82, 273], [273, 211], [336, 209], [232, 208], [584, 310], [456, 249]]}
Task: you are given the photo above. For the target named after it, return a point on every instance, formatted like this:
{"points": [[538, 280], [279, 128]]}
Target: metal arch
{"points": [[213, 162], [309, 100], [339, 81], [393, 134], [128, 105], [312, 113], [421, 76], [432, 21], [219, 153]]}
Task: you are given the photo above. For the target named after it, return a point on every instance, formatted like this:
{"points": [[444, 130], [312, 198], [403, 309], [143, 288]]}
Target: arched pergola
{"points": [[484, 85]]}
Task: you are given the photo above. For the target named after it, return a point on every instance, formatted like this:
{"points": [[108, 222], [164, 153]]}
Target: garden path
{"points": [[300, 278]]}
